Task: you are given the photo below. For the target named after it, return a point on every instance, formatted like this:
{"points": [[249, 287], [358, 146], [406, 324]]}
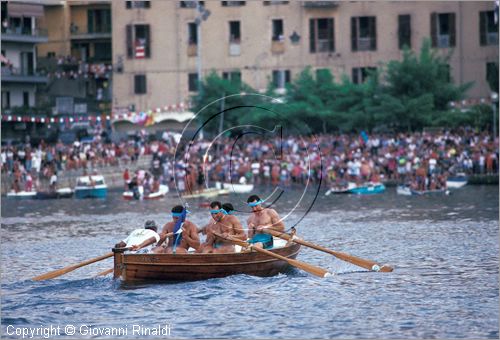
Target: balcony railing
{"points": [[104, 32], [14, 74], [24, 34], [320, 4]]}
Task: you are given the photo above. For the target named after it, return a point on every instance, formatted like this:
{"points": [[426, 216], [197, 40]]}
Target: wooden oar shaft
{"points": [[367, 264], [301, 265], [59, 272], [105, 272]]}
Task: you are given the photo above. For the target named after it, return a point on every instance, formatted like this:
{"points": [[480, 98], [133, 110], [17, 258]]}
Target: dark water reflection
{"points": [[444, 248]]}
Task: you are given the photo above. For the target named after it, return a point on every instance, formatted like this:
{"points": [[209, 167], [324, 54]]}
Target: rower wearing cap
{"points": [[185, 233], [222, 223], [141, 238], [262, 218]]}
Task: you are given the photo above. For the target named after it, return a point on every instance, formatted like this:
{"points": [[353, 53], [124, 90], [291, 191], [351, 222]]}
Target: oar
{"points": [[367, 264], [301, 265], [65, 270]]}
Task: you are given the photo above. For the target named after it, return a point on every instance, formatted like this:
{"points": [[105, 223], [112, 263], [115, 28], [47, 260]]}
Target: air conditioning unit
{"points": [[443, 41]]}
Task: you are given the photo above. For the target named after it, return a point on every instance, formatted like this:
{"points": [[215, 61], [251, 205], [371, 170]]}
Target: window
{"points": [[99, 21], [192, 34], [102, 51], [51, 54], [140, 84], [492, 74], [443, 30], [234, 32], [138, 41], [281, 78], [359, 74], [488, 29], [191, 4], [233, 3], [275, 2], [404, 31], [5, 100], [278, 30], [363, 34], [234, 77], [321, 35], [26, 99], [193, 82], [137, 4]]}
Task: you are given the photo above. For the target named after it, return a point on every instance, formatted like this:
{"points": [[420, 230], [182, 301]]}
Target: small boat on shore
{"points": [[456, 182], [129, 195], [41, 195], [192, 267], [206, 193], [235, 187], [353, 188], [407, 191], [91, 187]]}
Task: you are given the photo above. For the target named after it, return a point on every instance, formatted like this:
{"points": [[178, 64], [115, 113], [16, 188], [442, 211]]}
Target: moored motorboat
{"points": [[235, 187], [129, 195], [21, 194], [367, 189], [194, 266], [91, 187], [59, 193], [456, 182], [211, 192], [407, 191]]}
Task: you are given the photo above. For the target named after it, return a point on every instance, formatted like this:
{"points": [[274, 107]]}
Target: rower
{"points": [[185, 234], [262, 218], [141, 238]]}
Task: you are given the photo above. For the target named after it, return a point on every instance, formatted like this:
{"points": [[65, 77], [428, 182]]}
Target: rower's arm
{"points": [[238, 230], [163, 236], [145, 243], [191, 236], [251, 228], [277, 223]]}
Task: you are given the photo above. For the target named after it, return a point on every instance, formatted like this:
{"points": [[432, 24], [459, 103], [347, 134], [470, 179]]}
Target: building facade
{"points": [[155, 44]]}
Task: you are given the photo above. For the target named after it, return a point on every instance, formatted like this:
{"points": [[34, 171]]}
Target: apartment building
{"points": [[155, 43], [20, 33]]}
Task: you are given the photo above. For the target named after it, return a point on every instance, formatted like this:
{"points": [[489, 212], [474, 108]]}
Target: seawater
{"points": [[444, 250]]}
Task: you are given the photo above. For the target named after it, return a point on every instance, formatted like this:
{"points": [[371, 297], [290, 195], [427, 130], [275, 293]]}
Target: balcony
{"points": [[192, 50], [319, 4], [24, 35], [277, 47], [15, 75], [104, 33]]}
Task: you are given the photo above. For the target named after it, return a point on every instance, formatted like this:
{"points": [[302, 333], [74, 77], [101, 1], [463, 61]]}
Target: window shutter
{"points": [[312, 35], [331, 35], [354, 34], [373, 33], [147, 4], [148, 41], [128, 4], [434, 29], [130, 46], [453, 35], [482, 28], [90, 21]]}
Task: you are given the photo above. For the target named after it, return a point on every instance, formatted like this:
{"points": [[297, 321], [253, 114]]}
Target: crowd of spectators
{"points": [[294, 160]]}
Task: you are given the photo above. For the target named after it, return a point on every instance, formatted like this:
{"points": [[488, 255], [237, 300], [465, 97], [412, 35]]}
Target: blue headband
{"points": [[176, 214], [218, 211], [254, 204]]}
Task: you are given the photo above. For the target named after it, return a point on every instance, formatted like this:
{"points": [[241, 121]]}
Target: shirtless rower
{"points": [[224, 224], [262, 218], [185, 234]]}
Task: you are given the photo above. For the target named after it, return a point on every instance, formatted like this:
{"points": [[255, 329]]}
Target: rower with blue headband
{"points": [[185, 234], [223, 223], [261, 219]]}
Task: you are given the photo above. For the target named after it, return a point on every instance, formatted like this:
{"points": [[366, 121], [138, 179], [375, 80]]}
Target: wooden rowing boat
{"points": [[192, 267]]}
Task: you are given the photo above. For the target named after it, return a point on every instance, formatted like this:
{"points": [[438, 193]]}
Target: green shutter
{"points": [[453, 34], [434, 29], [354, 34], [312, 35]]}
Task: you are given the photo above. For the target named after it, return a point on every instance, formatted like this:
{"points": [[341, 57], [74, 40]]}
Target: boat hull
{"points": [[193, 267], [61, 193], [129, 195], [367, 190], [91, 192]]}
